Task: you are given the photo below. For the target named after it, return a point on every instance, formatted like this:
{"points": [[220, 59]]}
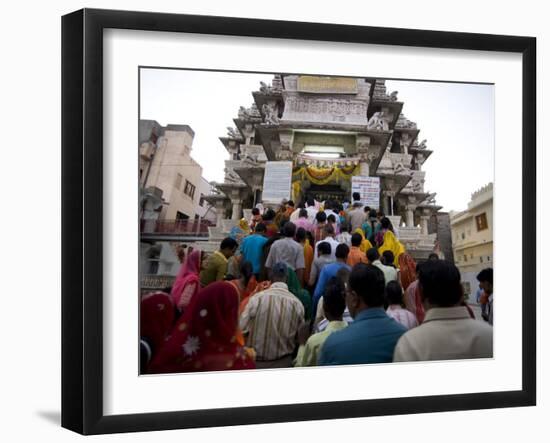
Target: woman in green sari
{"points": [[303, 295]]}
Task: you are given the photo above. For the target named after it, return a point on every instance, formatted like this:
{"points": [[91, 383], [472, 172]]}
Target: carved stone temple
{"points": [[331, 128]]}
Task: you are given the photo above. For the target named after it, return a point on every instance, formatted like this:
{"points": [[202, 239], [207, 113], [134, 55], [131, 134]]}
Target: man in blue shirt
{"points": [[372, 336], [328, 271], [252, 248]]}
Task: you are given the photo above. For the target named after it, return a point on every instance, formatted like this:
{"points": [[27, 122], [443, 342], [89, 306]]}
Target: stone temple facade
{"points": [[327, 124]]}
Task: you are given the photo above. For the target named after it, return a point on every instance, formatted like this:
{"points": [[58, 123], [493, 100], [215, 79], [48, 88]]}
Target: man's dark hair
{"points": [[334, 298], [331, 218], [260, 227], [228, 243], [394, 293], [344, 227], [302, 213], [329, 230], [321, 217], [485, 275], [440, 283], [310, 201], [323, 248], [367, 209], [356, 239], [342, 251], [372, 213], [279, 272], [289, 229], [372, 255], [328, 204], [433, 256], [290, 203], [300, 235], [255, 211], [388, 258], [356, 196], [368, 283], [269, 215]]}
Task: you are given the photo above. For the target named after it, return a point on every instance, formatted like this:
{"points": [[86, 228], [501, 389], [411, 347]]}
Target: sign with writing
{"points": [[368, 188], [327, 85], [277, 180]]}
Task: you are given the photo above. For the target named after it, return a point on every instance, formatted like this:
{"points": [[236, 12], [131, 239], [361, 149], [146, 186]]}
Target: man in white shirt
{"points": [[330, 238], [447, 332], [311, 210], [390, 273]]}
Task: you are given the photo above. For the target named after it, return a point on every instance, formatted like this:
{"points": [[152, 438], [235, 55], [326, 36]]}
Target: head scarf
{"points": [[391, 243], [187, 282], [156, 317], [205, 337], [243, 224], [365, 244]]}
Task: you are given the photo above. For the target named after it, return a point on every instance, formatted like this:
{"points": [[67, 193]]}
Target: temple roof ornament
{"points": [[422, 144], [234, 133], [270, 113], [379, 121], [404, 123]]}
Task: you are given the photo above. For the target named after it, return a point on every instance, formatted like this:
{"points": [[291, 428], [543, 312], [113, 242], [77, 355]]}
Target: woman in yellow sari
{"points": [[390, 241], [365, 243]]}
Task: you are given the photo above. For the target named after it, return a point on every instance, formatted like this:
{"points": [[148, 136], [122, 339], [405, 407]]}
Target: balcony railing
{"points": [[192, 228]]}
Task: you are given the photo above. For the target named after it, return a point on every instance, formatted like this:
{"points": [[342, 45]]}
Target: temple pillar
{"points": [[385, 203], [220, 211], [236, 211], [424, 224], [364, 168], [410, 216]]}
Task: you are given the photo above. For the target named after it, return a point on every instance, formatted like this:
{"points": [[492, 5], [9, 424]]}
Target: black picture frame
{"points": [[82, 190]]}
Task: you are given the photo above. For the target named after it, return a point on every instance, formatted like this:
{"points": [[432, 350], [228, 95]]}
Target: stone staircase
{"points": [[216, 235]]}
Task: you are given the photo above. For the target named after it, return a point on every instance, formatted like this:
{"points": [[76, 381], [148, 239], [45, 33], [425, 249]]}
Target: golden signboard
{"points": [[327, 85]]}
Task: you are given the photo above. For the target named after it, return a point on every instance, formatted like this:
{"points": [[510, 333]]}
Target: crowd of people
{"points": [[313, 285]]}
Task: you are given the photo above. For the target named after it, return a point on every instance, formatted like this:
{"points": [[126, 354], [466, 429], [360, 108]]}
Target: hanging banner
{"points": [[368, 188], [277, 179]]}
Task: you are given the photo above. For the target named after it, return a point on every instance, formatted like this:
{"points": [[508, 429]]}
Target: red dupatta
{"points": [[187, 282], [205, 336], [156, 318]]}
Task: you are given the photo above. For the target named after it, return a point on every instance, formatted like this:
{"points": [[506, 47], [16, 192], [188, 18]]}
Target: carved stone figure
{"points": [[242, 112], [399, 168], [265, 89], [233, 132], [393, 96], [270, 115], [231, 176], [422, 144], [379, 122]]}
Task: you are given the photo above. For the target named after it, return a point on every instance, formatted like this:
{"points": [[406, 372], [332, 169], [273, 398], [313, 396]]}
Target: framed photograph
{"points": [[269, 221]]}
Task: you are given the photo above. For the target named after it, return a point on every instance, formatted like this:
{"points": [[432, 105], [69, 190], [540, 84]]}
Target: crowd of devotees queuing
{"points": [[313, 285]]}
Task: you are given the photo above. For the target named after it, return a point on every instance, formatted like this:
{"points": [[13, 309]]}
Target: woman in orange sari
{"points": [[204, 338]]}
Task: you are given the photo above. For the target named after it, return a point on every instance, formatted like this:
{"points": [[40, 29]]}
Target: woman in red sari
{"points": [[156, 318], [187, 282], [204, 338]]}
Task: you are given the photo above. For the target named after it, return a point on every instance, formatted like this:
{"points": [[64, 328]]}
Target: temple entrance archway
{"points": [[327, 192]]}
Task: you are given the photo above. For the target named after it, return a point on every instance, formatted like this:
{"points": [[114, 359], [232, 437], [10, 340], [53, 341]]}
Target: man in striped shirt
{"points": [[271, 320]]}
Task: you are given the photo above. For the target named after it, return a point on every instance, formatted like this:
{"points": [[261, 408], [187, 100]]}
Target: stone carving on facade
{"points": [[250, 113], [231, 176], [379, 122], [393, 96], [265, 89], [277, 83], [404, 123], [233, 132], [324, 109], [270, 113], [423, 144]]}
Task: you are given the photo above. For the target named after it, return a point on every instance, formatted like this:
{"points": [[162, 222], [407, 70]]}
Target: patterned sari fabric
{"points": [[187, 282], [205, 337], [407, 270], [156, 318]]}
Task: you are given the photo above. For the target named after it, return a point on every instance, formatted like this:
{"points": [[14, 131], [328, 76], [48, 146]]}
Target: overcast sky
{"points": [[456, 119]]}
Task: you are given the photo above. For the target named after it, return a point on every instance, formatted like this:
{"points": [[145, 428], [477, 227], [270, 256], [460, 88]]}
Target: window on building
{"points": [[465, 258], [480, 259], [178, 180], [201, 200], [481, 222], [488, 258], [189, 189], [463, 236]]}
